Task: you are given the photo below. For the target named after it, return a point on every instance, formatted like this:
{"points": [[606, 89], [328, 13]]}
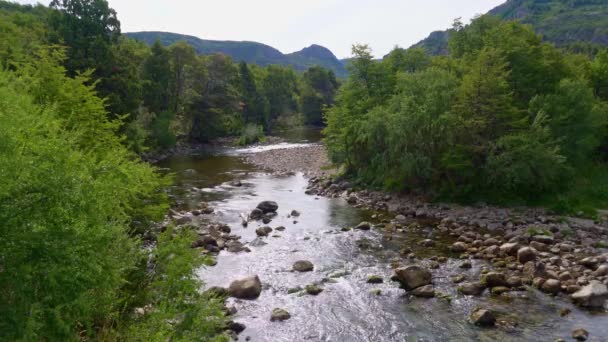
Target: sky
{"points": [[290, 25]]}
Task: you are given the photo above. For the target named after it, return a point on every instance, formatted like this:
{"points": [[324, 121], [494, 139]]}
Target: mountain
{"points": [[250, 52], [563, 22]]}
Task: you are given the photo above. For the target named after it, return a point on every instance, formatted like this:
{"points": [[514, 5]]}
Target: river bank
{"points": [[461, 258]]}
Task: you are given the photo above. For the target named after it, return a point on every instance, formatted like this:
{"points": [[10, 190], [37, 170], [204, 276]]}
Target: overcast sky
{"points": [[290, 25]]}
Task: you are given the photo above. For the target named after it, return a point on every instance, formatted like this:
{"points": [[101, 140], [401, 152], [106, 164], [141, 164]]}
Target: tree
{"points": [[599, 74], [280, 88], [254, 105], [319, 88], [88, 28], [182, 56], [156, 76]]}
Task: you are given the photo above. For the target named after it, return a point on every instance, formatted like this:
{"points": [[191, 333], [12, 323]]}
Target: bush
{"points": [[251, 134]]}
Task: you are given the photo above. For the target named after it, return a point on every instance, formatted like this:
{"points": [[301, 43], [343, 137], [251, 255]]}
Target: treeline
{"points": [[503, 118], [165, 94]]}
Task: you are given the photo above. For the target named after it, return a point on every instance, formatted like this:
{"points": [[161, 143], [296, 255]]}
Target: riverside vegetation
{"points": [[505, 118]]}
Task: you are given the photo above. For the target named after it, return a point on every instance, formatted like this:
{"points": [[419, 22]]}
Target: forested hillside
{"points": [[250, 52], [577, 24], [504, 117]]}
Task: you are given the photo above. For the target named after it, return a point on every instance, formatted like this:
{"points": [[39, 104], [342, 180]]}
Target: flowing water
{"points": [[348, 309]]}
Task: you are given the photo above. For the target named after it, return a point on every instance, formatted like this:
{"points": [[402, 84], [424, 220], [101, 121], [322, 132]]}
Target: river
{"points": [[348, 309]]}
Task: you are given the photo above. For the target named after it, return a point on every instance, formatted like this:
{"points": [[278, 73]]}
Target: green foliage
{"points": [[251, 134], [177, 310], [69, 196], [319, 88], [503, 118]]}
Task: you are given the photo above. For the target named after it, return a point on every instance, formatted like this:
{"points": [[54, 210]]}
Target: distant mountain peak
{"points": [[558, 21], [250, 52], [317, 51]]}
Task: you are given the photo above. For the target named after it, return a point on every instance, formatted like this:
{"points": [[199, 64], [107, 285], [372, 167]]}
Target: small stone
{"points": [[427, 243], [263, 231], [471, 289], [510, 248], [459, 278], [466, 265], [580, 334], [459, 247], [494, 279], [413, 276], [236, 327], [313, 289], [374, 279], [268, 206], [498, 290], [279, 315], [364, 226], [525, 255], [376, 292], [256, 214], [483, 317], [247, 288], [427, 291], [551, 286], [303, 266]]}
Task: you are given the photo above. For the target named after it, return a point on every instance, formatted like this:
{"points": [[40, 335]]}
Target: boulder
{"points": [[552, 286], [483, 317], [295, 213], [413, 276], [459, 247], [268, 207], [374, 279], [427, 243], [526, 254], [601, 271], [303, 266], [471, 289], [593, 295], [313, 289], [256, 214], [263, 231], [580, 335], [545, 239], [494, 279], [364, 226], [509, 248], [236, 327], [427, 291], [279, 315], [246, 288]]}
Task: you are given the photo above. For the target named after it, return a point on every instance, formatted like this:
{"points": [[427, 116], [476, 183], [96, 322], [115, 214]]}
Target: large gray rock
{"points": [[268, 206], [413, 276], [471, 289], [483, 317], [279, 315], [426, 291], [509, 248], [263, 231], [303, 266], [246, 288], [593, 295], [364, 226], [494, 279], [526, 254], [459, 247]]}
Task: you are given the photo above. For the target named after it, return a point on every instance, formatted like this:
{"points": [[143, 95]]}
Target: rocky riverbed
{"points": [[293, 259]]}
